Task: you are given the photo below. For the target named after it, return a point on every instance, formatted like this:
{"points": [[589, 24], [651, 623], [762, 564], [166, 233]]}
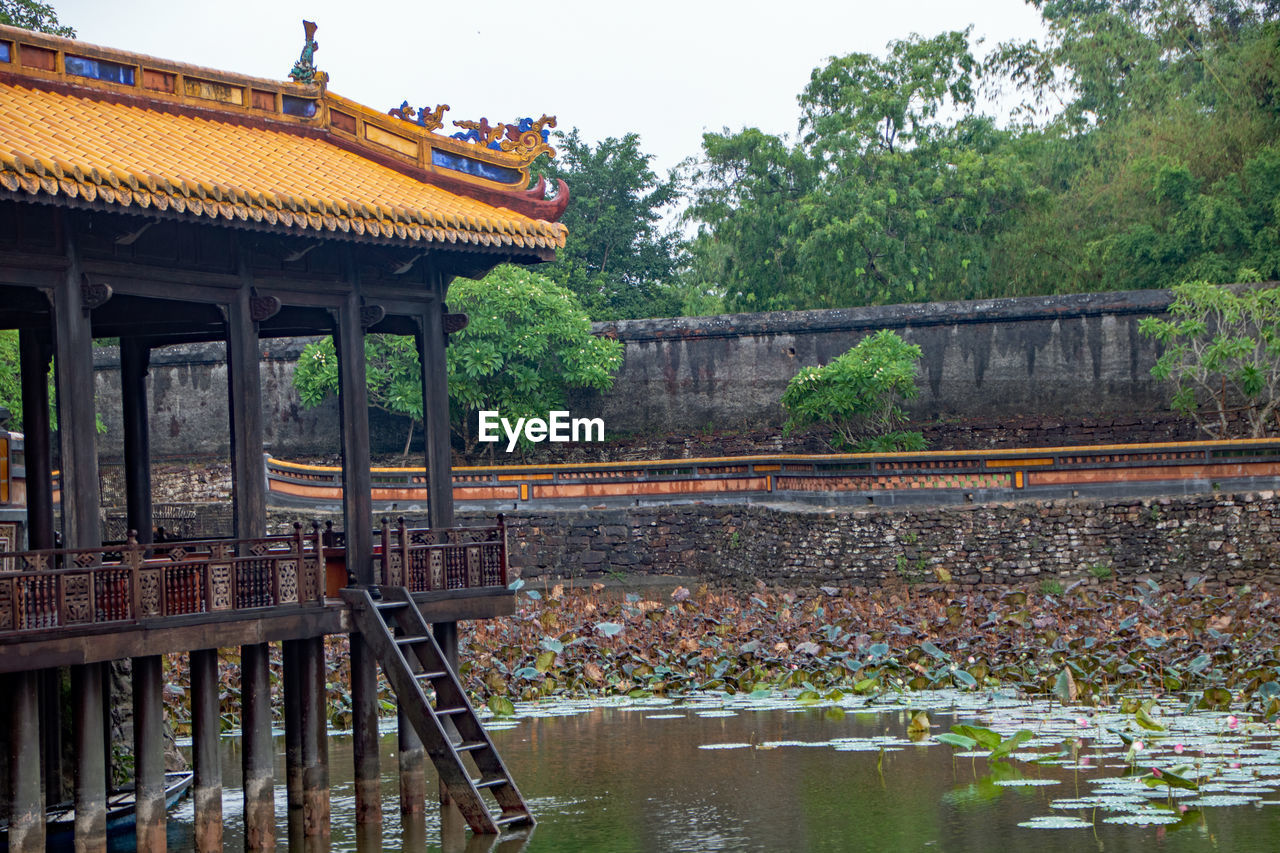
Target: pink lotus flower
{"points": [[1233, 722], [1138, 746], [1155, 771], [1178, 748], [1083, 722]]}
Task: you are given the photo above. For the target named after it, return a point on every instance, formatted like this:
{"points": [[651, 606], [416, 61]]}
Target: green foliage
{"points": [[526, 344], [31, 15], [392, 373], [1222, 350], [10, 377], [1142, 153], [858, 394], [619, 259]]}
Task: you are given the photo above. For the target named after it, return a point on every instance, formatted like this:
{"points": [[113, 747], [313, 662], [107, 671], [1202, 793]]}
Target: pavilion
{"points": [[160, 203]]}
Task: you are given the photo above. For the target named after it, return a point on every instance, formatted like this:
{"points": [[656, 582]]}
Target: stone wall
{"points": [[1050, 356], [1230, 537]]}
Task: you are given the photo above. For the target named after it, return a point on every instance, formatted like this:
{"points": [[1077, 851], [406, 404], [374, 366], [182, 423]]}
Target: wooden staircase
{"points": [[433, 700]]}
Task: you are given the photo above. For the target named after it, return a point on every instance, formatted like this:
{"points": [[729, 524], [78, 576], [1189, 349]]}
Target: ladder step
{"points": [[449, 712], [469, 745], [491, 783], [410, 641], [423, 676], [507, 820]]}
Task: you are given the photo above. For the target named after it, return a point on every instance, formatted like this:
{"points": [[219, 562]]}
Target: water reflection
{"points": [[670, 778]]}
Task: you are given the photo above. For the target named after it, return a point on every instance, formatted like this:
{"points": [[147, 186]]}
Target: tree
{"points": [[528, 342], [10, 383], [890, 195], [392, 373], [859, 395], [620, 257], [1222, 350], [31, 15]]}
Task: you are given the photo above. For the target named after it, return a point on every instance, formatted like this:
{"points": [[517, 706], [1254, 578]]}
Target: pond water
{"points": [[765, 774]]}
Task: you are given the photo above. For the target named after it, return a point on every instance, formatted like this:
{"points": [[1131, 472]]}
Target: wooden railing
{"points": [[426, 560], [66, 588]]}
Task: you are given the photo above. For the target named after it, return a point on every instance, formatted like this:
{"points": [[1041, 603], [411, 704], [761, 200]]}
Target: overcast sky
{"points": [[664, 69]]}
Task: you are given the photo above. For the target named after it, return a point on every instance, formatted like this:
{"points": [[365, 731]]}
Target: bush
{"points": [[859, 394]]}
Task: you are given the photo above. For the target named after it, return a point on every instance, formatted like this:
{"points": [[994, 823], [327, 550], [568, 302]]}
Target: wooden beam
{"points": [[77, 418], [412, 758], [26, 792], [91, 770], [148, 752], [364, 732], [206, 730], [135, 358], [353, 400], [244, 392]]}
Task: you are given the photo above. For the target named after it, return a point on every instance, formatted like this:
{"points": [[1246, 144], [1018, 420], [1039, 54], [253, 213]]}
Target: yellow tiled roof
{"points": [[129, 156]]}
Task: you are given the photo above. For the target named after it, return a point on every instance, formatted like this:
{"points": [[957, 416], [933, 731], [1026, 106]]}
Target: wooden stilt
{"points": [[91, 771], [206, 728], [26, 793], [258, 760], [413, 767], [292, 724], [364, 738], [315, 758], [135, 357], [148, 752], [50, 681]]}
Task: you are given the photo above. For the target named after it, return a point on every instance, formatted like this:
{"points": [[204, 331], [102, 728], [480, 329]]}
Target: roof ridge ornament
{"points": [[304, 70], [525, 138], [429, 119]]}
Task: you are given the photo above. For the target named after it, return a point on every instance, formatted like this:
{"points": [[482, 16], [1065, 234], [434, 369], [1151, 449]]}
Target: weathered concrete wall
{"points": [[1055, 355], [1229, 537]]}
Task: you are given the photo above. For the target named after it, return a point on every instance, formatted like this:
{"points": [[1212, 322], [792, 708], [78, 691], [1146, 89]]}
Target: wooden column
{"points": [[206, 729], [35, 354], [148, 752], [293, 699], [26, 793], [91, 770], [435, 419], [315, 749], [258, 760], [77, 421], [353, 398], [135, 359], [244, 387], [364, 734], [435, 412]]}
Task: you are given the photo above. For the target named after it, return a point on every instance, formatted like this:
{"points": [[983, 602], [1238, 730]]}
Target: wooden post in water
{"points": [[258, 760], [292, 725], [148, 752], [91, 771], [413, 766], [364, 734], [206, 728], [26, 803], [315, 752]]}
